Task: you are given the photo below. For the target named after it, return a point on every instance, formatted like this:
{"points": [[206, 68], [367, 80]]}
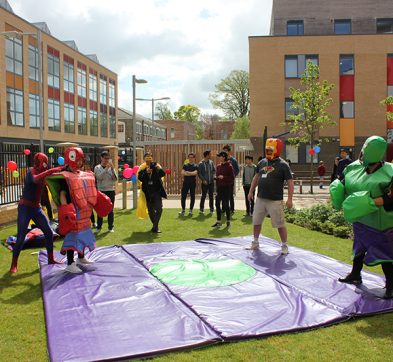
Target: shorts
{"points": [[274, 208]]}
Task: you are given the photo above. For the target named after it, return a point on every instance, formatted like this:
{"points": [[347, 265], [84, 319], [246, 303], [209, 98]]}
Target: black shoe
{"points": [[228, 224], [351, 279], [388, 293], [216, 225], [232, 212], [247, 214], [157, 231]]}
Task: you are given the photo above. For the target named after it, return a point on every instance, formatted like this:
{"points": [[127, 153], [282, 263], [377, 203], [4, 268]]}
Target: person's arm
{"points": [[235, 166], [291, 189], [142, 174], [160, 171], [38, 177], [99, 172], [253, 186]]}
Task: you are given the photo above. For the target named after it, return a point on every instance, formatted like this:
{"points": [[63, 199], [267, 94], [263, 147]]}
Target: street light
{"points": [[134, 184], [17, 34]]}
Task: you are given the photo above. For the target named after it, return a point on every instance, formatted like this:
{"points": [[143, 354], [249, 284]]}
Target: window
{"points": [[292, 153], [81, 77], [82, 121], [53, 71], [295, 65], [172, 133], [308, 156], [288, 110], [384, 26], [295, 27], [53, 115], [93, 87], [347, 65], [68, 70], [342, 26], [14, 55], [112, 95], [390, 90], [69, 118], [33, 63], [112, 126], [104, 124], [93, 123], [34, 110], [291, 66], [15, 107], [347, 110], [103, 91], [120, 128]]}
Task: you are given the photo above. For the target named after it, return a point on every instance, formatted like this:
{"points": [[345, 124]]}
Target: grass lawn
{"points": [[22, 320]]}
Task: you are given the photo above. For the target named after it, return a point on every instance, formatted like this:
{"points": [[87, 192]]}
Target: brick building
{"points": [[218, 130], [178, 130]]}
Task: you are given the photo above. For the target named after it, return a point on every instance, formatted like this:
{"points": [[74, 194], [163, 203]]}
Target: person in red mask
{"points": [[271, 174], [29, 208]]}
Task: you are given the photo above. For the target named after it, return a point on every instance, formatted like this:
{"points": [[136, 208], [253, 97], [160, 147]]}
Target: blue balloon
{"points": [[133, 178], [123, 152], [317, 149], [60, 161]]}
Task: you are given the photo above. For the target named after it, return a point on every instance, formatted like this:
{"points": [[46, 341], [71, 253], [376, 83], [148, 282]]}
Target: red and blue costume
{"points": [[29, 208]]}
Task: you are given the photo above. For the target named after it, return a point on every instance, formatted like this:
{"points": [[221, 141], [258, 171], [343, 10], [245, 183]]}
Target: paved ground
{"points": [[300, 200]]}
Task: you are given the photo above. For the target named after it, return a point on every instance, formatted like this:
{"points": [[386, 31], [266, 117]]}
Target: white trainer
{"points": [[84, 261], [254, 245], [284, 249], [73, 269]]}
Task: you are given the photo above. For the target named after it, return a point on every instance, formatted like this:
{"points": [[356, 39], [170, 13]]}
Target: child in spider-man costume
{"points": [[29, 208]]}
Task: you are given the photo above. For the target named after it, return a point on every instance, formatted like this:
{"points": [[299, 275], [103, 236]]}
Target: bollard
{"points": [[124, 192], [300, 186]]}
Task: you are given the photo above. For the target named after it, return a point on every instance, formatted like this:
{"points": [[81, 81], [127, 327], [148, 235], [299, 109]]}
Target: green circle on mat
{"points": [[208, 273]]}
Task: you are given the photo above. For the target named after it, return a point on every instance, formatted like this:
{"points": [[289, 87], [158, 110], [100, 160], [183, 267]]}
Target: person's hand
{"points": [[149, 170], [158, 166], [378, 201], [204, 182], [250, 196], [289, 204], [110, 164], [220, 177]]}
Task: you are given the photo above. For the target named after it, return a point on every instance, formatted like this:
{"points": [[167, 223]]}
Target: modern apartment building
{"points": [[352, 42], [79, 95]]}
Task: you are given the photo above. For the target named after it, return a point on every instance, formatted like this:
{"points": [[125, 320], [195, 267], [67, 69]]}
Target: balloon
{"points": [[51, 150], [120, 169], [126, 165], [118, 157], [26, 152], [311, 151], [168, 171], [135, 168], [12, 166], [133, 178], [317, 149], [15, 174], [123, 152], [127, 173], [60, 161]]}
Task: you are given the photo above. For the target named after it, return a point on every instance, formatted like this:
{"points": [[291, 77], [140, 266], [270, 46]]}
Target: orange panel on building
{"points": [[347, 132]]}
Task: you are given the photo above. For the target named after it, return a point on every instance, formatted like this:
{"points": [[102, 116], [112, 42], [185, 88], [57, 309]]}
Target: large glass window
{"points": [[292, 153], [103, 91], [15, 107], [53, 115], [68, 70], [308, 156], [33, 63], [111, 95], [112, 126], [53, 71], [384, 26], [69, 118], [291, 66], [93, 123], [93, 87], [82, 120], [342, 26], [81, 83], [295, 65], [347, 110], [295, 27], [14, 55], [104, 124], [347, 66], [34, 110], [288, 110]]}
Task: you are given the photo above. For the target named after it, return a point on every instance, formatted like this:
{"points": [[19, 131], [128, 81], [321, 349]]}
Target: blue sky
{"points": [[181, 47]]}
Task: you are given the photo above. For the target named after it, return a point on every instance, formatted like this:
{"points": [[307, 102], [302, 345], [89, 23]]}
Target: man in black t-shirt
{"points": [[190, 172], [272, 172]]}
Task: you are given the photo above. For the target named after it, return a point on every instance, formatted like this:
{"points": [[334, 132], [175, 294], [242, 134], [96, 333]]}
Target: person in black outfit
{"points": [[206, 173], [153, 189], [45, 201], [236, 170], [344, 162], [189, 171]]}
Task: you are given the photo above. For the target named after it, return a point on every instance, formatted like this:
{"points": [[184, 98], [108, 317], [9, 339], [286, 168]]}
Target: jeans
{"points": [[205, 189], [249, 204], [111, 195]]}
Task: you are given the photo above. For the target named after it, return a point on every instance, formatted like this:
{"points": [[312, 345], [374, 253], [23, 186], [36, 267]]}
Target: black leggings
{"points": [[70, 256], [223, 197]]}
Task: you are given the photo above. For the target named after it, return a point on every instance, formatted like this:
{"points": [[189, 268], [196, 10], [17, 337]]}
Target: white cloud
{"points": [[183, 48]]}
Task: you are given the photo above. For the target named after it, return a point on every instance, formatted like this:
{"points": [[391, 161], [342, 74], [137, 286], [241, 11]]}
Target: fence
{"points": [[172, 154], [11, 187]]}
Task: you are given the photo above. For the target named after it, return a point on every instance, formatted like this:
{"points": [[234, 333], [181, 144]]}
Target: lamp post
{"points": [[134, 184], [37, 34], [152, 107]]}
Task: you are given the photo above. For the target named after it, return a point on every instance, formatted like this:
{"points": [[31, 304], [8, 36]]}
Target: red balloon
{"points": [[27, 152], [126, 165], [12, 166], [311, 151], [128, 172], [168, 171], [136, 168]]}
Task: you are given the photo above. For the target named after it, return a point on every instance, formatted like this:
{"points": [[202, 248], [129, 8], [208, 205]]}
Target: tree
{"points": [[310, 105], [232, 95], [208, 121], [162, 111], [242, 129], [191, 114]]}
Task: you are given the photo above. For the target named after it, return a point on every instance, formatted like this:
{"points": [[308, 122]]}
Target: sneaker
{"points": [[351, 279], [111, 230], [211, 212], [254, 245], [181, 213], [247, 214], [228, 224], [73, 269], [98, 230], [216, 225], [388, 294], [232, 212], [156, 231], [84, 261], [190, 213], [284, 249], [201, 211]]}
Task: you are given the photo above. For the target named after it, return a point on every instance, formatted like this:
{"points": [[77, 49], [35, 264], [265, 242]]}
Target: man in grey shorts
{"points": [[272, 172]]}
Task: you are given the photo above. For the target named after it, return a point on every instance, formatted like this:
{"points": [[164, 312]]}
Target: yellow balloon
{"points": [[51, 149], [15, 174]]}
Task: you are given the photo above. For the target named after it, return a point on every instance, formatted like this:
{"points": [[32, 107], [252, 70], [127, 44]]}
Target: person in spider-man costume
{"points": [[29, 208]]}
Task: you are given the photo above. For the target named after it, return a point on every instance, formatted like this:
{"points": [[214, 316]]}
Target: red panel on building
{"points": [[54, 93], [81, 66], [93, 106], [53, 51], [92, 71], [69, 97], [390, 70], [82, 102], [68, 59], [347, 87]]}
